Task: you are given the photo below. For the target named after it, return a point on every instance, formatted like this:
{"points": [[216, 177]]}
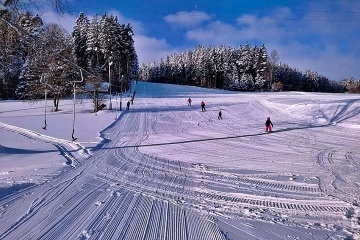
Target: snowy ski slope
{"points": [[166, 170]]}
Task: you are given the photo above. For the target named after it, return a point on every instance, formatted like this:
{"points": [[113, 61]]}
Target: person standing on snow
{"points": [[189, 101], [203, 106], [220, 115], [268, 125], [128, 105]]}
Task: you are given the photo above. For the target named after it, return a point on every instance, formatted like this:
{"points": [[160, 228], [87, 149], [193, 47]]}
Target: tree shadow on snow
{"points": [[221, 138], [10, 150], [342, 112]]}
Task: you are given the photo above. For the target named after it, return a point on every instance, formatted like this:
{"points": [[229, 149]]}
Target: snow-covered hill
{"points": [[166, 170]]}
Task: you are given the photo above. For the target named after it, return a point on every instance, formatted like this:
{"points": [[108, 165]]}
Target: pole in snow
{"points": [[42, 81], [121, 90], [118, 95], [110, 104], [73, 125], [45, 127]]}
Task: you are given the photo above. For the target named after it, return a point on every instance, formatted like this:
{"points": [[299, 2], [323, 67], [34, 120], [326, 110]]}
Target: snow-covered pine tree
{"points": [[214, 67], [239, 63], [219, 66], [11, 59], [315, 82], [116, 30], [228, 54], [260, 65], [93, 51], [128, 52], [190, 69], [79, 36], [199, 55], [106, 39], [49, 67], [30, 72]]}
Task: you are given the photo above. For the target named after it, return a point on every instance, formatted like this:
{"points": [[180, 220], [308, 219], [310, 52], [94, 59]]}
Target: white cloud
{"points": [[255, 28], [151, 49], [247, 28], [187, 19], [329, 62], [215, 33], [67, 21]]}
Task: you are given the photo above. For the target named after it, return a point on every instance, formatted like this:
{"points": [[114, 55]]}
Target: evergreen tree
{"points": [[93, 52], [261, 64], [30, 72], [79, 36], [107, 41], [49, 67], [11, 59]]}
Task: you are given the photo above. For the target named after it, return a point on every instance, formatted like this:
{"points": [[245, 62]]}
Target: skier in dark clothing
{"points": [[203, 106], [220, 115], [268, 125], [128, 105], [189, 101]]}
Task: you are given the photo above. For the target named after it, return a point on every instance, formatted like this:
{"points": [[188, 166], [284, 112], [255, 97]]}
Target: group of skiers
{"points": [[268, 123]]}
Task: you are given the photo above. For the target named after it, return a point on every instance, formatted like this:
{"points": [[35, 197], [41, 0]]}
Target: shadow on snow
{"points": [[217, 138]]}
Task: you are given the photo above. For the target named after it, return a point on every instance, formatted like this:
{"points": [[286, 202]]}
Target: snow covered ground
{"points": [[165, 170]]}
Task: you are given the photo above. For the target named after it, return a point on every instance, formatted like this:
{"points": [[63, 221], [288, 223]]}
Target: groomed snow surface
{"points": [[166, 170]]}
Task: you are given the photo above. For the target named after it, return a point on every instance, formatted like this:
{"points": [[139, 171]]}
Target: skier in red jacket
{"points": [[203, 106]]}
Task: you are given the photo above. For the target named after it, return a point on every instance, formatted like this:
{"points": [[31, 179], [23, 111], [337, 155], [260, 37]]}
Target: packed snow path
{"points": [[166, 170]]}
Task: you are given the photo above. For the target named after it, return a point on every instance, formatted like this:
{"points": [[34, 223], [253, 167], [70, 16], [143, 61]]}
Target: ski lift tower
{"points": [[42, 80], [73, 125], [121, 90], [110, 104]]}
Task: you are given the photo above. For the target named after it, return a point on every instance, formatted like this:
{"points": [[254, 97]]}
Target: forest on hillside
{"points": [[244, 68]]}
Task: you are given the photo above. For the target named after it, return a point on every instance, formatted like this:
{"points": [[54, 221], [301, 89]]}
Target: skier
{"points": [[132, 97], [268, 125], [203, 106], [189, 101], [220, 115], [128, 105]]}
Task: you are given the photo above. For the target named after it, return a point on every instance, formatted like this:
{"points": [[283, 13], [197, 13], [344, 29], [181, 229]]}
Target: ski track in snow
{"points": [[169, 171], [65, 147]]}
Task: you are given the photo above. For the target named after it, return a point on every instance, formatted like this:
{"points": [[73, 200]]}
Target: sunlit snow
{"points": [[166, 170]]}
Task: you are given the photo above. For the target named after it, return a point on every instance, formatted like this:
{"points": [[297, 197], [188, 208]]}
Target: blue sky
{"points": [[321, 35]]}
